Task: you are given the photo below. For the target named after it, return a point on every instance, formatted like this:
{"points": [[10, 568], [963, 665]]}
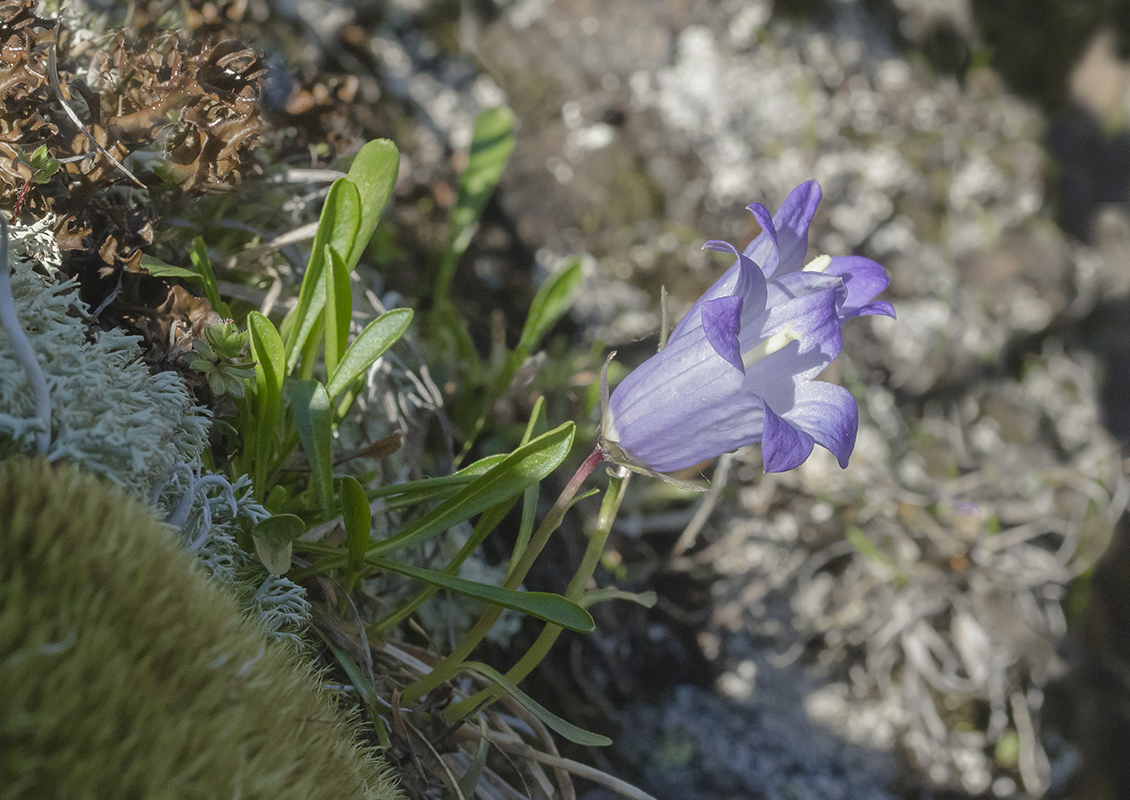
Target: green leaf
{"points": [[199, 257], [356, 676], [378, 336], [44, 165], [487, 522], [551, 720], [160, 269], [470, 778], [551, 303], [339, 307], [526, 527], [645, 599], [525, 466], [373, 172], [270, 361], [358, 521], [273, 538], [552, 608], [491, 146], [338, 226], [312, 418]]}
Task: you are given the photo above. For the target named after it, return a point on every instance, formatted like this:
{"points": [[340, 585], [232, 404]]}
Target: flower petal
{"points": [[743, 279], [783, 447], [863, 280], [765, 250], [682, 406], [813, 318], [685, 368], [783, 242], [828, 414], [721, 321], [878, 308]]}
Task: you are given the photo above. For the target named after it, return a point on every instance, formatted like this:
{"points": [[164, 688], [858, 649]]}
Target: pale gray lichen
{"points": [[109, 413], [207, 511]]}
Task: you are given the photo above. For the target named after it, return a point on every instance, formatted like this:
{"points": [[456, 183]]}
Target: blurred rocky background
{"points": [[939, 619], [948, 616]]}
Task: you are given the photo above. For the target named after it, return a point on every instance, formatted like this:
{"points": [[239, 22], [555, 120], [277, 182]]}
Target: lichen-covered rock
{"points": [[126, 672]]}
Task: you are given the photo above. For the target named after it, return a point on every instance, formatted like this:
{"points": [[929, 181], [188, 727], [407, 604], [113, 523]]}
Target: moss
{"points": [[127, 673]]}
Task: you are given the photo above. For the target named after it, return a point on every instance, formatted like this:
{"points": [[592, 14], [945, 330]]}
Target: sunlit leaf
{"points": [[370, 344], [491, 145], [373, 172], [338, 227], [525, 466]]}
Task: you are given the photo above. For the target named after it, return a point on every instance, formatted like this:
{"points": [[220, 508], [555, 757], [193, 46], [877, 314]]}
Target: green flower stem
{"points": [[450, 666], [598, 538]]}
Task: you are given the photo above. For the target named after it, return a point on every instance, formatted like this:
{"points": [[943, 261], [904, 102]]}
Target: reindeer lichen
{"points": [[109, 414]]}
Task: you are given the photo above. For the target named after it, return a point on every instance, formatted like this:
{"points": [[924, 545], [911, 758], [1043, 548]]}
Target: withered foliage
{"points": [[183, 117]]}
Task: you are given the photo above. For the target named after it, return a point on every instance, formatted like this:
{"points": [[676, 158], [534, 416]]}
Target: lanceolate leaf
{"points": [[161, 269], [551, 720], [549, 607], [199, 257], [491, 145], [525, 466], [373, 172], [337, 228], [370, 344], [487, 522], [551, 303], [358, 521]]}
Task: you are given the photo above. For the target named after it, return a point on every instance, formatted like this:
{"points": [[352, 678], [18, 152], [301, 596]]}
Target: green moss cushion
{"points": [[126, 673]]}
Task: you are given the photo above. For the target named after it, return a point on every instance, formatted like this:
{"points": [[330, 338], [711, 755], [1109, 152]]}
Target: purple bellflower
{"points": [[740, 366]]}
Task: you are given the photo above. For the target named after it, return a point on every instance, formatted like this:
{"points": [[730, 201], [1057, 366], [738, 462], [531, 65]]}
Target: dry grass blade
{"points": [[518, 747], [546, 738], [444, 771], [509, 744], [533, 767]]}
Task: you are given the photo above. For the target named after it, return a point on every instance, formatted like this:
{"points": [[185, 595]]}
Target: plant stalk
{"points": [[450, 666], [598, 538]]}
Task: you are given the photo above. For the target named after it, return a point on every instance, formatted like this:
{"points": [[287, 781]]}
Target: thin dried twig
{"points": [[448, 776], [545, 738]]}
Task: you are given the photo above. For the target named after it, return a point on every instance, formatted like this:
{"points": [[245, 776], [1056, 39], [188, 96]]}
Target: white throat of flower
{"points": [[778, 341], [818, 264]]}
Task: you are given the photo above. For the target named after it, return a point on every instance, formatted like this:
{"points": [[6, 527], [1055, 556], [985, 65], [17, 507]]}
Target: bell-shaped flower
{"points": [[740, 366]]}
